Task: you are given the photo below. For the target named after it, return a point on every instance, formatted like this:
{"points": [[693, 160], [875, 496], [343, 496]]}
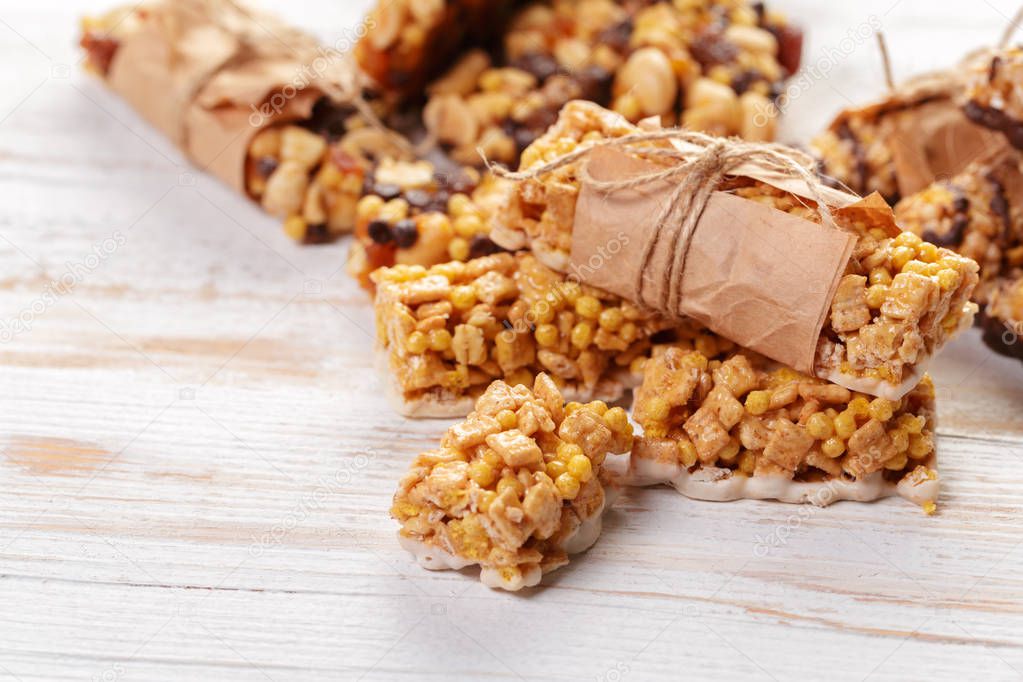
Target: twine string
{"points": [[1011, 29], [698, 164]]}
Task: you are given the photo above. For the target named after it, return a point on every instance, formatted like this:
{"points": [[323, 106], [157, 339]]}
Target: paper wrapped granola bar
{"points": [[979, 214], [904, 142], [445, 333], [855, 302], [721, 423], [255, 102], [516, 488]]}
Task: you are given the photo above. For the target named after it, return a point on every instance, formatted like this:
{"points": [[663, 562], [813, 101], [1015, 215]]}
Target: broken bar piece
{"points": [[515, 488]]}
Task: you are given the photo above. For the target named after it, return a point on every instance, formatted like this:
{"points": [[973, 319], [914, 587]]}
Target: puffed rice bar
{"points": [[722, 423], [445, 333], [901, 298], [515, 488]]}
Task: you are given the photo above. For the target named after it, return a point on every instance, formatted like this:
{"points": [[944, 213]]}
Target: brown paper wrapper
{"points": [[935, 141], [763, 278], [927, 134], [210, 77]]}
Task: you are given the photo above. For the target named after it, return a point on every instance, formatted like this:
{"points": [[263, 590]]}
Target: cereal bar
{"points": [[445, 333], [899, 301], [303, 155], [515, 488], [721, 423], [714, 66]]}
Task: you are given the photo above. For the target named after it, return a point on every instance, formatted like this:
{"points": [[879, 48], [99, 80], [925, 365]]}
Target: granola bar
{"points": [[445, 333], [412, 215], [902, 143], [993, 96], [306, 160], [978, 213], [900, 300], [722, 423], [713, 66], [410, 42], [515, 488]]}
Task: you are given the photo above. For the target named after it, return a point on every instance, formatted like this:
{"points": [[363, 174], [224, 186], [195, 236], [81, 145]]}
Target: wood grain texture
{"points": [[196, 460]]}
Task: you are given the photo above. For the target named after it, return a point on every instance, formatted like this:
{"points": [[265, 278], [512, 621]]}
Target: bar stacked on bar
{"points": [[899, 301], [722, 423], [994, 93], [515, 488], [979, 213], [445, 333]]}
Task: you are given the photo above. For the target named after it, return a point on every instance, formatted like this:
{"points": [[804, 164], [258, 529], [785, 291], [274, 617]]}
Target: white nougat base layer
{"points": [[719, 485], [435, 558]]}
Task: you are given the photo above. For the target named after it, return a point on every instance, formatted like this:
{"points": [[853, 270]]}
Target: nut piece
{"points": [[648, 76], [450, 119]]}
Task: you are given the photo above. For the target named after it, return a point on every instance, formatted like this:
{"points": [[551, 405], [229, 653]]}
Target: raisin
{"points": [[405, 233], [380, 232]]}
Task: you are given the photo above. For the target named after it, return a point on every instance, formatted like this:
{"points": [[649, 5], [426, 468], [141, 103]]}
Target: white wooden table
{"points": [[196, 462]]}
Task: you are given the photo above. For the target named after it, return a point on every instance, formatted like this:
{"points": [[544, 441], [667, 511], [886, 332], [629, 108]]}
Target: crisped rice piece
{"points": [[445, 333], [776, 434], [901, 301], [516, 488]]}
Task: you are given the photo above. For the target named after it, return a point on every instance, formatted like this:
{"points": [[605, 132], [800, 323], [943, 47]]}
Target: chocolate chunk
{"points": [[317, 233], [710, 49], [266, 166], [481, 245], [405, 233], [540, 65], [595, 82], [386, 191], [380, 232], [745, 80], [617, 37], [329, 119], [1000, 337]]}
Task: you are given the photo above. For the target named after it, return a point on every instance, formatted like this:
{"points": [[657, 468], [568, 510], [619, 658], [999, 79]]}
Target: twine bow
{"points": [[698, 163]]}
